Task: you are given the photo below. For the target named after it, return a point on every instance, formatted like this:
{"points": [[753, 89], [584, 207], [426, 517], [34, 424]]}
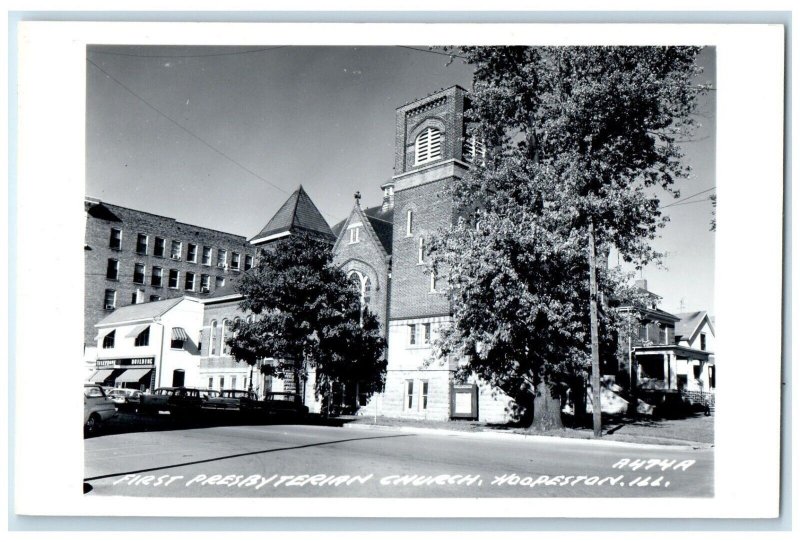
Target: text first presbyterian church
{"points": [[383, 249]]}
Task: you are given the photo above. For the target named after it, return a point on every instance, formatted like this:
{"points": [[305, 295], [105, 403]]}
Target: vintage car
{"points": [[284, 405], [234, 400], [175, 400], [125, 399], [97, 407]]}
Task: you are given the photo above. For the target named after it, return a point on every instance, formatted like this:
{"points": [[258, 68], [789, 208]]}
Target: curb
{"points": [[493, 435]]}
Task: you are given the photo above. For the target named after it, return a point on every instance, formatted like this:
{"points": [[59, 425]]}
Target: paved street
{"points": [[309, 461]]}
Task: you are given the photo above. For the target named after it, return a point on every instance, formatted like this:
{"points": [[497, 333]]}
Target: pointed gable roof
{"points": [[297, 214], [379, 230], [691, 323]]}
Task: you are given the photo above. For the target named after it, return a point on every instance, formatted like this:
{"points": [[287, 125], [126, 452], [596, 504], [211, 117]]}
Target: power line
{"points": [[451, 55], [678, 202], [691, 202], [179, 125], [232, 53]]}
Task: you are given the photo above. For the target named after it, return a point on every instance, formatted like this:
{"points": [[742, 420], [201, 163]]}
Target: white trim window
{"points": [[426, 333], [412, 334], [176, 249], [108, 340], [138, 273], [222, 258], [219, 282], [206, 256], [157, 277], [191, 253], [421, 251], [112, 271], [409, 399], [354, 232], [224, 348], [423, 395], [141, 244], [212, 343], [248, 262], [189, 282], [110, 300], [409, 222], [205, 284], [174, 278], [115, 240], [428, 146], [236, 259], [159, 247], [433, 282]]}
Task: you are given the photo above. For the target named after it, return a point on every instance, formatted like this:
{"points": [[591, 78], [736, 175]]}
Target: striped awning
{"points": [[101, 375], [179, 334], [132, 375], [137, 330]]}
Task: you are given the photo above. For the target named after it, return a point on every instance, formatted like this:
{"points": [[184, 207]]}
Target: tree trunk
{"points": [[546, 409], [597, 420]]}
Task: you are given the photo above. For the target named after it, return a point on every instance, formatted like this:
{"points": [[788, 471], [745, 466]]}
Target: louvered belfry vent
{"points": [[428, 146]]}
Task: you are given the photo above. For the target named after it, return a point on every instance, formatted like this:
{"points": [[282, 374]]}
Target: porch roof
{"points": [[676, 349]]}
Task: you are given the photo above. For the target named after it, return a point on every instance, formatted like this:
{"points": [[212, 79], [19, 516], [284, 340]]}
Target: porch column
{"points": [[667, 375], [673, 371]]}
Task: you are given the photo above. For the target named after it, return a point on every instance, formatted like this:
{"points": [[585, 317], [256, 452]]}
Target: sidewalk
{"points": [[695, 432]]}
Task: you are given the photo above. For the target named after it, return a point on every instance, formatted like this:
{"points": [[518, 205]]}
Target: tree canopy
{"points": [[579, 140], [308, 315]]}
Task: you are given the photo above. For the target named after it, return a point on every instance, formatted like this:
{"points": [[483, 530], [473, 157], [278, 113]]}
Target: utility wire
{"points": [[451, 55], [232, 53], [678, 202], [182, 127]]}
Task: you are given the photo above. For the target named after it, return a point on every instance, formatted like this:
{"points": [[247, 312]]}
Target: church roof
{"points": [[382, 223], [297, 214]]}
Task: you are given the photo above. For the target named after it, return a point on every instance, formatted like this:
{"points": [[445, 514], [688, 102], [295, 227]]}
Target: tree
{"points": [[307, 315], [579, 139]]}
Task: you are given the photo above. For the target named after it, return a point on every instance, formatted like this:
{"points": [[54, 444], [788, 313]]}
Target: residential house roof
{"points": [[690, 324], [297, 214]]}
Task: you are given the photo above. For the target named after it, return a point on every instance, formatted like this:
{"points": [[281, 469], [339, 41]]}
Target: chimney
{"points": [[388, 196], [641, 284]]}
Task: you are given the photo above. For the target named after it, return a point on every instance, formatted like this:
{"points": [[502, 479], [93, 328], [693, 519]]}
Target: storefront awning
{"points": [[101, 375], [179, 334], [132, 375], [138, 329]]}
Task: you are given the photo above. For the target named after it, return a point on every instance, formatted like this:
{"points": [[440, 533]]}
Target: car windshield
{"points": [[235, 394]]}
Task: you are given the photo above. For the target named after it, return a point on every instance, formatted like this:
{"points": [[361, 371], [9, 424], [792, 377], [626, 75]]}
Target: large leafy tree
{"points": [[308, 315], [579, 141]]}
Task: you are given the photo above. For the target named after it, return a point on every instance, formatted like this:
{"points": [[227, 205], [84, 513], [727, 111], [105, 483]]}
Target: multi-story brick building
{"points": [[135, 257]]}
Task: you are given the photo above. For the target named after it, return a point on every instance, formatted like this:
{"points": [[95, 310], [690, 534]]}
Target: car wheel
{"points": [[93, 423]]}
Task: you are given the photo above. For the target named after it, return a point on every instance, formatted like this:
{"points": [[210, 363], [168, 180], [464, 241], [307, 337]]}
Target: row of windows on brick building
{"points": [[176, 251]]}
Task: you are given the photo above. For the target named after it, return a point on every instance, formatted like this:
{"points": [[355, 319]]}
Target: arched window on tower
{"points": [[428, 146]]}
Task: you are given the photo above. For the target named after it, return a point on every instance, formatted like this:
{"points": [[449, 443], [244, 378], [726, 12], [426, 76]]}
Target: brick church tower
{"points": [[429, 153]]}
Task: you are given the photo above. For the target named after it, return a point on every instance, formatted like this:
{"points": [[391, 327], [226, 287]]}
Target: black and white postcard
{"points": [[505, 269]]}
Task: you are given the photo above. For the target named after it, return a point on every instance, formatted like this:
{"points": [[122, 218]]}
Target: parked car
{"points": [[234, 400], [97, 407], [176, 400], [125, 399], [284, 405]]}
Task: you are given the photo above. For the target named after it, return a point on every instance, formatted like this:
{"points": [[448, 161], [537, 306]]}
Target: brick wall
{"points": [[411, 282], [131, 222]]}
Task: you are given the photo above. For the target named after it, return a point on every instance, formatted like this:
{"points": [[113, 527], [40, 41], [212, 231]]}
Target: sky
{"points": [[221, 136]]}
